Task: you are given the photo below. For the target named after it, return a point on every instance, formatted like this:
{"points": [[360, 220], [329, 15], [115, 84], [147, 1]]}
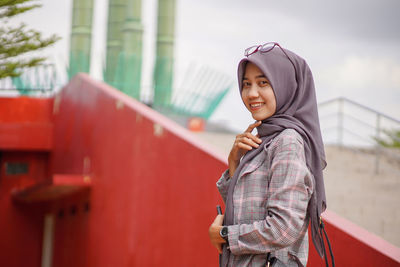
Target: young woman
{"points": [[274, 184]]}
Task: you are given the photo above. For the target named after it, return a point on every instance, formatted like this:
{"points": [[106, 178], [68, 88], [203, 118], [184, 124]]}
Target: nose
{"points": [[253, 91]]}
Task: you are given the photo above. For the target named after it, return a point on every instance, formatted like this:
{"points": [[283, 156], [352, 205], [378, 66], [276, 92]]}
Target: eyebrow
{"points": [[258, 76]]}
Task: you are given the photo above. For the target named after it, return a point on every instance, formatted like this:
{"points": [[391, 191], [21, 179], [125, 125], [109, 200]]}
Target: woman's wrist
{"points": [[232, 163]]}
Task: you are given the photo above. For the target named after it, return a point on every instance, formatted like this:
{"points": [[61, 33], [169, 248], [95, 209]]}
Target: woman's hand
{"points": [[243, 143], [213, 232]]}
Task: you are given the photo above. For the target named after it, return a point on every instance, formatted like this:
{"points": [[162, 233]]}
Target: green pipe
{"points": [[163, 72], [81, 35], [116, 18], [131, 57]]}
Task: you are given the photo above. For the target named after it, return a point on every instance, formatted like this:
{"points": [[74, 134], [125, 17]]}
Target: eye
{"points": [[264, 83], [246, 84]]}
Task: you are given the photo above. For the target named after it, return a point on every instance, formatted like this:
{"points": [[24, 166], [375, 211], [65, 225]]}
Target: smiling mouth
{"points": [[255, 106]]}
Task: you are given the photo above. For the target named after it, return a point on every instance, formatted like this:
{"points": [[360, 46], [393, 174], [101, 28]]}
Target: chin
{"points": [[260, 117]]}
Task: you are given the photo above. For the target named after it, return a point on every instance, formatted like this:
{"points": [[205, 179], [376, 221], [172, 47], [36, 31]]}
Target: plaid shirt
{"points": [[270, 205]]}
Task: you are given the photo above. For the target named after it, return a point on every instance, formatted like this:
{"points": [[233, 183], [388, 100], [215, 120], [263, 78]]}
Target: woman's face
{"points": [[257, 93]]}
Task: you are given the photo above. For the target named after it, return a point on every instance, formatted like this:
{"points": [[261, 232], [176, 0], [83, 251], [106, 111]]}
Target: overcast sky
{"points": [[352, 47]]}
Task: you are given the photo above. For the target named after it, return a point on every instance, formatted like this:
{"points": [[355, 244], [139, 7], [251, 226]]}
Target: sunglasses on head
{"points": [[263, 49]]}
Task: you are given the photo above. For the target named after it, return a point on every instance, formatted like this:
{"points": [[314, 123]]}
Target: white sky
{"points": [[352, 47]]}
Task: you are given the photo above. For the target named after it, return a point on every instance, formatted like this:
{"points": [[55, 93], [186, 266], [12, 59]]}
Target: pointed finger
{"points": [[252, 126], [254, 138]]}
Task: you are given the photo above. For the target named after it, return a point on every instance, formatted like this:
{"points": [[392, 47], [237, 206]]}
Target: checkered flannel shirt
{"points": [[270, 204]]}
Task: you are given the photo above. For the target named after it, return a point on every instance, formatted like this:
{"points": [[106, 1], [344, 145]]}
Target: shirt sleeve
{"points": [[290, 188], [223, 184]]}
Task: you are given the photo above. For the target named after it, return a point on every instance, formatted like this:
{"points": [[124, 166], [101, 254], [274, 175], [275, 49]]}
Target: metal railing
{"points": [[42, 80], [356, 125]]}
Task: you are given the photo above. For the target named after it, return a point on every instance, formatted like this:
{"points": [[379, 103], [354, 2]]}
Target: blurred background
{"points": [[180, 58]]}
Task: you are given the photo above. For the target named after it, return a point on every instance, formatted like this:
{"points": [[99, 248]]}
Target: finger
{"points": [[252, 126], [219, 248], [244, 146], [252, 139], [218, 220], [248, 141], [255, 138]]}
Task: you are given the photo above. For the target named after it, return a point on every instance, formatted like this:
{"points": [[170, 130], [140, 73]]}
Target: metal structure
{"points": [[116, 18], [130, 60], [124, 58], [41, 80], [124, 46], [201, 92], [163, 71], [346, 122], [38, 79], [81, 35]]}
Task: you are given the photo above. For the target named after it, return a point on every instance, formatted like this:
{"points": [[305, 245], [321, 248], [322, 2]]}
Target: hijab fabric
{"points": [[293, 85]]}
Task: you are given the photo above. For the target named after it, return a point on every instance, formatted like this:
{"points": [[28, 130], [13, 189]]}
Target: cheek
{"points": [[273, 102], [243, 95], [272, 98]]}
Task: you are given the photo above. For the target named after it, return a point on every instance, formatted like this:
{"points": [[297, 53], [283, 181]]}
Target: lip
{"points": [[258, 106]]}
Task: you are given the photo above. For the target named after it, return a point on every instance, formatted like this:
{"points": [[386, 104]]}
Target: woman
{"points": [[274, 184]]}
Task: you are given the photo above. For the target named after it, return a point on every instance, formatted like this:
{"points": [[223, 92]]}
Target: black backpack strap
{"points": [[322, 229]]}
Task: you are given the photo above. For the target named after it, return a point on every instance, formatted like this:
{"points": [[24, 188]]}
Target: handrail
{"points": [[359, 105], [359, 121], [341, 128]]}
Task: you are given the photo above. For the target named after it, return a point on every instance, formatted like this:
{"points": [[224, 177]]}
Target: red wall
{"points": [[153, 191], [26, 123], [354, 246], [25, 128]]}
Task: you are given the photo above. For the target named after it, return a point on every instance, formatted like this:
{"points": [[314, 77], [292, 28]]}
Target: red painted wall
{"points": [[153, 190], [21, 226], [26, 123], [354, 246]]}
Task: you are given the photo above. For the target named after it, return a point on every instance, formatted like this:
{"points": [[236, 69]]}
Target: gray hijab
{"points": [[293, 85]]}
